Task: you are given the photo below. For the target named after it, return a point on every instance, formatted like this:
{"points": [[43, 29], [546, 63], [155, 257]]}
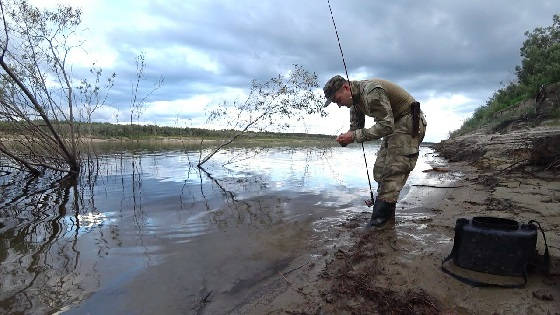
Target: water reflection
{"points": [[139, 212], [35, 265]]}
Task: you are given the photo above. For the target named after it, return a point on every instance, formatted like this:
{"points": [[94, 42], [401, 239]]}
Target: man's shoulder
{"points": [[371, 84], [386, 85]]}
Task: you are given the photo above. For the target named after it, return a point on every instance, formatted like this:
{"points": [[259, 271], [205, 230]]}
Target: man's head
{"points": [[337, 90]]}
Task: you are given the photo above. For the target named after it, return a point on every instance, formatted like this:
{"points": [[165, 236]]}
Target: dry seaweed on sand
{"points": [[354, 287]]}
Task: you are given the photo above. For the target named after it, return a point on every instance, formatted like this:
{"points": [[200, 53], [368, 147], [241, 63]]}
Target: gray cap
{"points": [[331, 87]]}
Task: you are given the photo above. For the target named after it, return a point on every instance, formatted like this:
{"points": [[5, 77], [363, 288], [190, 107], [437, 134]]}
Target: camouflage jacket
{"points": [[389, 105]]}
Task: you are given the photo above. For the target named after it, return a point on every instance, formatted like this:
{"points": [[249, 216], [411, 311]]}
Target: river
{"points": [[143, 231]]}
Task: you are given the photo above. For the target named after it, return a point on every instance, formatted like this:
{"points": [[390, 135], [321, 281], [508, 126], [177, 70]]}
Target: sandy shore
{"points": [[397, 269]]}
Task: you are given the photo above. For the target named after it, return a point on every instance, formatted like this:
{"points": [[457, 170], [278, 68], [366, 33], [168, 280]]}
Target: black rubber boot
{"points": [[381, 213]]}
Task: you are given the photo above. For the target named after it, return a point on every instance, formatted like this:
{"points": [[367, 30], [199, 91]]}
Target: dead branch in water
{"points": [[269, 105]]}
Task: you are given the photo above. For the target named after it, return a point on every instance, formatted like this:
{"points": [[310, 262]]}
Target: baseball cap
{"points": [[331, 87]]}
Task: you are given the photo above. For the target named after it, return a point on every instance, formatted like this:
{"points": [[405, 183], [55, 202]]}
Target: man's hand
{"points": [[345, 138]]}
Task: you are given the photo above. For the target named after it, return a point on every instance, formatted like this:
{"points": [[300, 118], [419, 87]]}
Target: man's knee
{"points": [[394, 166], [391, 187]]}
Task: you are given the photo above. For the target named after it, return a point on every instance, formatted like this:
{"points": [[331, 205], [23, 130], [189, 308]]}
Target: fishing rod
{"points": [[350, 85]]}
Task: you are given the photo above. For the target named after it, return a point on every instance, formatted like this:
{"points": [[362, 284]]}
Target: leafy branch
{"points": [[274, 103]]}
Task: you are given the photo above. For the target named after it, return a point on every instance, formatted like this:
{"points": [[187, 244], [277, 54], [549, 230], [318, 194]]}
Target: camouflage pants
{"points": [[396, 159], [391, 172]]}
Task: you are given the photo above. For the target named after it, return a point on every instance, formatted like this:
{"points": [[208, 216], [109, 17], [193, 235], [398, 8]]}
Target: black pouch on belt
{"points": [[415, 111]]}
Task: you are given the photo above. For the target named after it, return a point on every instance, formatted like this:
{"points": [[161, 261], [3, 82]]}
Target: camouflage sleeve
{"points": [[376, 105], [357, 119]]}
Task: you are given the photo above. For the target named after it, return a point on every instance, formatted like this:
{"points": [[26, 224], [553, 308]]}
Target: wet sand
{"points": [[397, 269]]}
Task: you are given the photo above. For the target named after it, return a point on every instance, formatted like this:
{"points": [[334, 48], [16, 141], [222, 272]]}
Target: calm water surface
{"points": [[145, 232]]}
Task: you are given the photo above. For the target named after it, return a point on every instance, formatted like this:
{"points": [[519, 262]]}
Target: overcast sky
{"points": [[451, 55]]}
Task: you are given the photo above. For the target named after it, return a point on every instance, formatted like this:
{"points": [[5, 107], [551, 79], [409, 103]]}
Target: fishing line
{"points": [[350, 85]]}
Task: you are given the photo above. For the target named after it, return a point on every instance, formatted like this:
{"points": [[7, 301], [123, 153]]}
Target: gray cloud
{"points": [[429, 46]]}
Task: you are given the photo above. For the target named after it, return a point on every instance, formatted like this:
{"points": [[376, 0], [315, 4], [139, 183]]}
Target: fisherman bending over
{"points": [[398, 120]]}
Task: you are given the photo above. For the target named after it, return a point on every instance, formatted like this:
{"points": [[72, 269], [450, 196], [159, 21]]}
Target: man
{"points": [[398, 120]]}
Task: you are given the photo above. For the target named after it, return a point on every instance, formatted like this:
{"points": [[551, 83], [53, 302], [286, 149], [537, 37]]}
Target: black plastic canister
{"points": [[494, 245]]}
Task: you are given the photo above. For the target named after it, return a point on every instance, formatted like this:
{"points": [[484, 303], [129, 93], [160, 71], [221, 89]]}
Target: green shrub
{"points": [[540, 65]]}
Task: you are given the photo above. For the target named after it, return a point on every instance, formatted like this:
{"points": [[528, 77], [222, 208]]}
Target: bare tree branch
{"points": [[33, 72], [21, 161], [270, 104]]}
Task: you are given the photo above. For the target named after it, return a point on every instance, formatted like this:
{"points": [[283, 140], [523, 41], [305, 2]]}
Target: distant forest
{"points": [[134, 131]]}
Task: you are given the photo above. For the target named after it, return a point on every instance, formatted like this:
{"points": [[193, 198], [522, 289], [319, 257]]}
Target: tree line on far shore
{"points": [[540, 66], [99, 130]]}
